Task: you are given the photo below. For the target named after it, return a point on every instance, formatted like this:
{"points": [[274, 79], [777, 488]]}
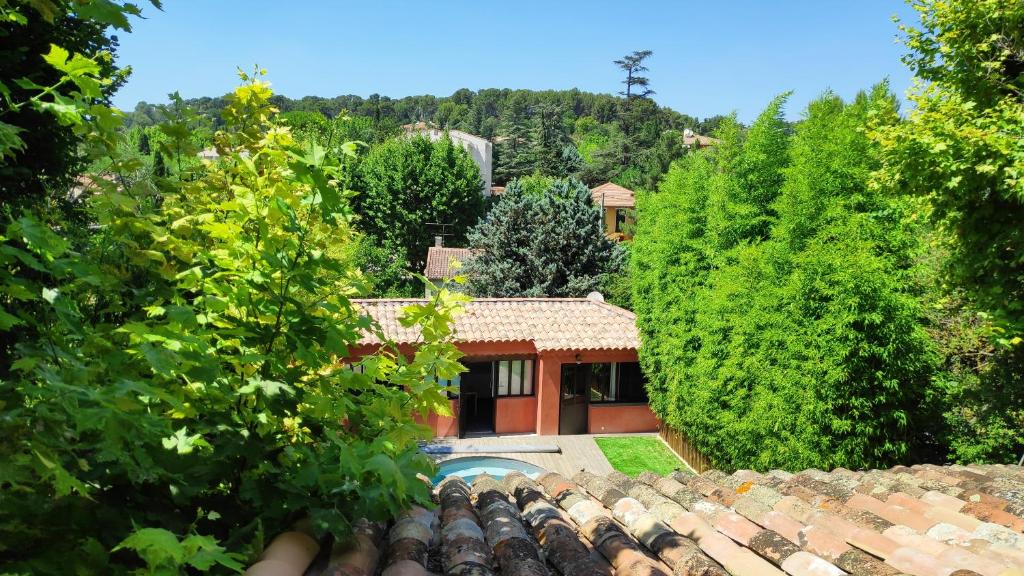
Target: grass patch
{"points": [[632, 455]]}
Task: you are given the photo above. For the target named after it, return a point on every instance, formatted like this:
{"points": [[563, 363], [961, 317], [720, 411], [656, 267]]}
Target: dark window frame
{"points": [[495, 373], [494, 378], [621, 214], [618, 388]]}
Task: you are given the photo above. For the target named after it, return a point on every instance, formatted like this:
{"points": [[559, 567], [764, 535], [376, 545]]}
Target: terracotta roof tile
{"points": [[656, 526], [440, 260], [549, 323], [612, 195]]}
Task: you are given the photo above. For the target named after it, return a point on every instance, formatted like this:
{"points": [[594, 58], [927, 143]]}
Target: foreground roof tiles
{"points": [[440, 259], [611, 195], [921, 521], [549, 323]]}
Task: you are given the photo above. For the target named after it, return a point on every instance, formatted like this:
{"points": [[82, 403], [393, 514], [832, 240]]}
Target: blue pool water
{"points": [[470, 467]]}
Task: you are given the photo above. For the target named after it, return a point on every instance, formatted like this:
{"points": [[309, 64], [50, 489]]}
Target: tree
{"points": [[962, 151], [548, 242], [633, 64], [40, 133], [512, 149], [632, 114], [174, 387], [960, 156], [144, 148], [550, 140], [775, 296], [409, 183]]}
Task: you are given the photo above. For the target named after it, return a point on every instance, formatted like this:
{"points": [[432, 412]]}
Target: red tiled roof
{"points": [[439, 261], [612, 195], [922, 521], [550, 323]]}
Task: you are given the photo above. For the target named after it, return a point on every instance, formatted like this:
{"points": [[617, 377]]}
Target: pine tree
{"points": [[159, 165], [512, 153], [546, 243], [144, 143], [550, 137]]}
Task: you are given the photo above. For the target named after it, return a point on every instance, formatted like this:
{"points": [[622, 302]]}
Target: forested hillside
{"points": [[599, 137]]}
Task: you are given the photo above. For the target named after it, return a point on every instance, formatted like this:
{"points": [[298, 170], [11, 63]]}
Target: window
{"points": [[514, 378], [617, 382], [620, 220]]}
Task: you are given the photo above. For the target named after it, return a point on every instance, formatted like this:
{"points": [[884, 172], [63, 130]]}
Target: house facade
{"points": [[618, 205], [534, 365]]}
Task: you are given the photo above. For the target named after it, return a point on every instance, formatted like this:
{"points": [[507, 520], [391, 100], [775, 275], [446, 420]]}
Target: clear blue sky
{"points": [[710, 56]]}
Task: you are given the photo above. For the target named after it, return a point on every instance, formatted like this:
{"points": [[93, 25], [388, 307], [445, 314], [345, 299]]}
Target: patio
{"points": [[576, 452]]}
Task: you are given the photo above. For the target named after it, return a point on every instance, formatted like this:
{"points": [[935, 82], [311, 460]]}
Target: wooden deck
{"points": [[578, 452]]}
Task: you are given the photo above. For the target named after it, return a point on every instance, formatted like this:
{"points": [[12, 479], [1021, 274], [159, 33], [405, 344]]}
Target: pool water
{"points": [[470, 467]]}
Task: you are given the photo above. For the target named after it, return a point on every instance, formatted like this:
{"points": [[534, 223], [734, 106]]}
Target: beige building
{"points": [[618, 206]]}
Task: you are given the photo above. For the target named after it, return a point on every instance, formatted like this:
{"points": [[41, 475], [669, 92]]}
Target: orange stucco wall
{"points": [[515, 415], [539, 413], [549, 376], [611, 419], [444, 426]]}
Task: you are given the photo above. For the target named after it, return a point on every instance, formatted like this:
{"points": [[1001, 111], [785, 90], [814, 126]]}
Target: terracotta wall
{"points": [[516, 415], [616, 419], [549, 377], [444, 426]]}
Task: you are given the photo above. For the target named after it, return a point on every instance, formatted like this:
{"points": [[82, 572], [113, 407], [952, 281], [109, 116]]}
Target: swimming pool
{"points": [[470, 467]]}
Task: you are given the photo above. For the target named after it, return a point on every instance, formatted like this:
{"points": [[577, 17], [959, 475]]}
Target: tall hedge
{"points": [[774, 297]]}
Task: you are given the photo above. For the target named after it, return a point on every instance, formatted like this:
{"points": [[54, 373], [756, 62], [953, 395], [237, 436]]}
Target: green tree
{"points": [[512, 149], [636, 107], [175, 388], [960, 156], [962, 150], [408, 183], [40, 132], [546, 242], [774, 291], [549, 142]]}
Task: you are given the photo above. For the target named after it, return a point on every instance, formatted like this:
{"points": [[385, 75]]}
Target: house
{"points": [[480, 149], [534, 365], [695, 141], [443, 263], [617, 205]]}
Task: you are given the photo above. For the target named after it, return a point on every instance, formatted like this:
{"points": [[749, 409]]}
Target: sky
{"points": [[710, 56]]}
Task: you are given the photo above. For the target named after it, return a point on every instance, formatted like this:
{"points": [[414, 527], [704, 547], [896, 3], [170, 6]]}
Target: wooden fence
{"points": [[681, 445]]}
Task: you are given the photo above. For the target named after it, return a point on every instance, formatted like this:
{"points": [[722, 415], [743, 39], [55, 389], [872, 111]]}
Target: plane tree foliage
{"points": [[960, 156], [775, 297], [171, 388], [407, 186]]}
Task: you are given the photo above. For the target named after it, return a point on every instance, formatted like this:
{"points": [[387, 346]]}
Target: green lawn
{"points": [[632, 455]]}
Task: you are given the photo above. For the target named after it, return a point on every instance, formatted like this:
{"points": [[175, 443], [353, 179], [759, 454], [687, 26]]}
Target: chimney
{"points": [[438, 241]]}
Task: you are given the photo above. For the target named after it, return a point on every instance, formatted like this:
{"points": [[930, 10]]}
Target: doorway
{"points": [[476, 399], [572, 413]]}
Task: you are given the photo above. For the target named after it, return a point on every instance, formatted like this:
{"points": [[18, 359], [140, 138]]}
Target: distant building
{"points": [[480, 149], [617, 205], [693, 140], [443, 263]]}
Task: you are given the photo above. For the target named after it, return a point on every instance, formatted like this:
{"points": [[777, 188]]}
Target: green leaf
{"points": [[182, 443], [157, 547]]}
